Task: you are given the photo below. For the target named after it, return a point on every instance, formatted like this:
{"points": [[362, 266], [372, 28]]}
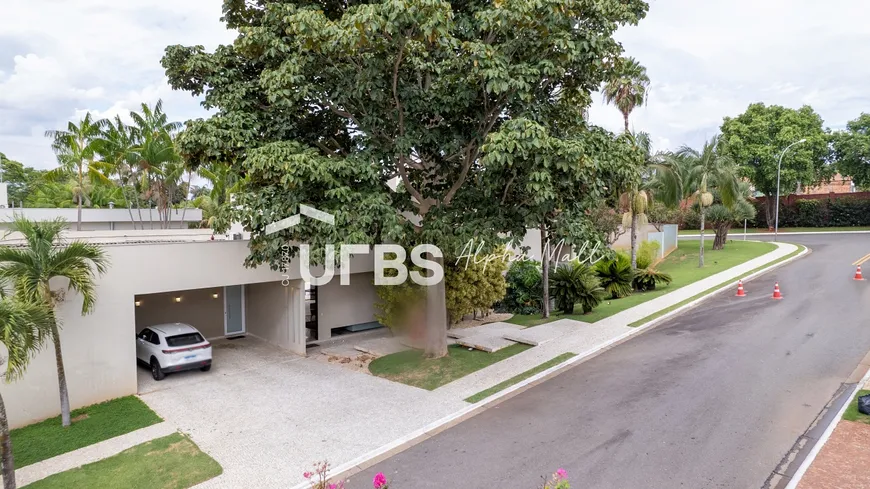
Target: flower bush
{"points": [[559, 480], [380, 481], [318, 478]]}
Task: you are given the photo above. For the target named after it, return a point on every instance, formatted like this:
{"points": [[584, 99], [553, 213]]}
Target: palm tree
{"points": [[24, 326], [634, 202], [155, 154], [75, 149], [115, 145], [47, 256], [693, 173], [628, 87]]}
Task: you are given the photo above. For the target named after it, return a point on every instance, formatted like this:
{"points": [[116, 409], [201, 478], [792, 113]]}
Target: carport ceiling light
{"points": [[178, 299], [215, 295]]}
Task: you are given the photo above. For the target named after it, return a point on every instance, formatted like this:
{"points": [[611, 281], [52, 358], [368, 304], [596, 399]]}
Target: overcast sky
{"points": [[707, 59]]}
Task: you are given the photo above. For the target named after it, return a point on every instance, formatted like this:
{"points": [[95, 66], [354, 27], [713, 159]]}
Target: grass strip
{"points": [[171, 462], [852, 413], [519, 378], [90, 424]]}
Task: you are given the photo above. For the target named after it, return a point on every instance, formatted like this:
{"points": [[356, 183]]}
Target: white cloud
{"points": [[707, 59]]}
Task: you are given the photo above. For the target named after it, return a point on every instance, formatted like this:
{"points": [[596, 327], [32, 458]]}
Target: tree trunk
{"points": [[436, 318], [770, 210], [61, 377], [625, 116], [80, 192], [633, 240], [7, 461], [701, 252], [186, 199], [545, 275]]}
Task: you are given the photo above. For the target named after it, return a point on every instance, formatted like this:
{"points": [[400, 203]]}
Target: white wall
{"points": [[339, 306], [273, 313], [102, 219], [99, 349]]}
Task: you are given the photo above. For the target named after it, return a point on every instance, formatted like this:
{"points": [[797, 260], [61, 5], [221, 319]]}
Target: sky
{"points": [[707, 59]]}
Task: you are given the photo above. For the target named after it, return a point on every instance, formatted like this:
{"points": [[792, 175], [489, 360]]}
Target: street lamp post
{"points": [[778, 168]]}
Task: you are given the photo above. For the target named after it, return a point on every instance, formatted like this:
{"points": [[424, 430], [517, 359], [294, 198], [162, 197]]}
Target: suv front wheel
{"points": [[156, 371]]}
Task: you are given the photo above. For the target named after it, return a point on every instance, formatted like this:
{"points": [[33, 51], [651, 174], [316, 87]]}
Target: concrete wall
{"points": [[271, 309], [339, 306], [102, 219], [198, 308], [624, 241], [99, 349]]}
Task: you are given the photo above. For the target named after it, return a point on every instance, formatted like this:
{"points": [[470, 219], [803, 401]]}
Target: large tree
{"points": [[756, 139], [852, 151], [22, 180], [356, 94]]}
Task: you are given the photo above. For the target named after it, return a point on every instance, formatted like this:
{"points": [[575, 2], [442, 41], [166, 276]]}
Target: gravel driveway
{"points": [[266, 415]]}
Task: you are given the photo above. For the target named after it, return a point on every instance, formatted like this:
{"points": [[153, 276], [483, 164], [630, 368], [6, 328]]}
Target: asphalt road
{"points": [[713, 398]]}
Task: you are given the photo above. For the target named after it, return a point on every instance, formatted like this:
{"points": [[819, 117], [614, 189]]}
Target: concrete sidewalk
{"points": [[587, 339]]}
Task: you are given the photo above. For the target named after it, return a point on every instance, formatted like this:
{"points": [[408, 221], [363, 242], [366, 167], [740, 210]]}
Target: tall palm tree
{"points": [[46, 256], [115, 145], [24, 327], [634, 201], [75, 149], [693, 173], [628, 88], [156, 154]]}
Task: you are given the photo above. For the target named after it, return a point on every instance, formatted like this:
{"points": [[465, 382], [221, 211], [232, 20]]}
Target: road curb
{"points": [[811, 457], [802, 233], [384, 452]]}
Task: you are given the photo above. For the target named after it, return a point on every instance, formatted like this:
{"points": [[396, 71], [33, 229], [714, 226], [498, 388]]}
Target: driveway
{"points": [[266, 415]]}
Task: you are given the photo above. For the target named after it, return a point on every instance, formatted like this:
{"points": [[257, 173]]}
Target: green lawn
{"points": [[682, 264], [171, 462], [91, 424], [519, 378], [713, 289], [852, 413], [409, 367], [782, 230]]}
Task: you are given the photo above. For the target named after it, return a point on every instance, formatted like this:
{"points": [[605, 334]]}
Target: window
{"points": [[154, 339], [186, 339], [145, 334]]}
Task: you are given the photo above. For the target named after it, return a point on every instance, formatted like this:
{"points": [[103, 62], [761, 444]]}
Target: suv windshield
{"points": [[184, 339]]}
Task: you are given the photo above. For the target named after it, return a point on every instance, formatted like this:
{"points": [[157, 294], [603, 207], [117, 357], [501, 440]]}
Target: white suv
{"points": [[172, 348]]}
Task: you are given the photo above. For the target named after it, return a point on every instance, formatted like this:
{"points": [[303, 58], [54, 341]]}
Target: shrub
{"points": [[647, 278], [400, 306], [575, 282], [524, 293], [473, 287], [616, 275], [647, 252]]}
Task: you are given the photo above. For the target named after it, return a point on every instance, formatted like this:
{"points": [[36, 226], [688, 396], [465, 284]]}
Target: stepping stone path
{"points": [[545, 332], [488, 337], [379, 347]]}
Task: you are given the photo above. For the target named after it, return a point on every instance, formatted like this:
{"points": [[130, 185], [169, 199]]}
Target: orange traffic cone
{"points": [[776, 292], [858, 275], [740, 292]]}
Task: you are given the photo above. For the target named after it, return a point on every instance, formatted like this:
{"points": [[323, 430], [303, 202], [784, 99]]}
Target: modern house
{"points": [[179, 276]]}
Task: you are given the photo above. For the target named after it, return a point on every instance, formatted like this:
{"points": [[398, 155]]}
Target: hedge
{"points": [[845, 211]]}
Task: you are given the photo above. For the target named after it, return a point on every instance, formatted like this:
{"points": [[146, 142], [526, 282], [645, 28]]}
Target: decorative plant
{"points": [[648, 278], [575, 282], [616, 275], [523, 288], [559, 480], [319, 479], [380, 481], [646, 254]]}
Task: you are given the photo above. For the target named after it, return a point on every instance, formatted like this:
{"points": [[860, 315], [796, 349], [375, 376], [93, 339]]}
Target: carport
{"points": [[247, 324]]}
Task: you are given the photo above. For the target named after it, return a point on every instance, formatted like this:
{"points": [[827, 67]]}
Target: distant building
{"points": [[838, 185]]}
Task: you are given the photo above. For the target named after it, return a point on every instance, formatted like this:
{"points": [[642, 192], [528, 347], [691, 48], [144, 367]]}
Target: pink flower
{"points": [[562, 473], [307, 475], [379, 481]]}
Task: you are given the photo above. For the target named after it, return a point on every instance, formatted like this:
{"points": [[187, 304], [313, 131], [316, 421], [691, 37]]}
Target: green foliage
{"points": [[755, 140], [524, 293], [388, 89], [627, 87], [852, 150], [616, 275], [647, 278], [399, 305], [647, 253], [474, 287], [574, 283], [822, 213], [22, 180]]}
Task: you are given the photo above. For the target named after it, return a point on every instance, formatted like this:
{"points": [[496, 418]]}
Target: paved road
{"points": [[711, 399]]}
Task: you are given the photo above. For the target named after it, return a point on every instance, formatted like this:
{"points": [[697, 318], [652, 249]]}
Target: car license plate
{"points": [[189, 357]]}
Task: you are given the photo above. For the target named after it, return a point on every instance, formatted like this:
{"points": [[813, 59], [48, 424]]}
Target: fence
{"points": [[667, 239]]}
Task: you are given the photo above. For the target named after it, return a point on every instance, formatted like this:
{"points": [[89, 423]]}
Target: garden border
{"points": [[367, 460]]}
